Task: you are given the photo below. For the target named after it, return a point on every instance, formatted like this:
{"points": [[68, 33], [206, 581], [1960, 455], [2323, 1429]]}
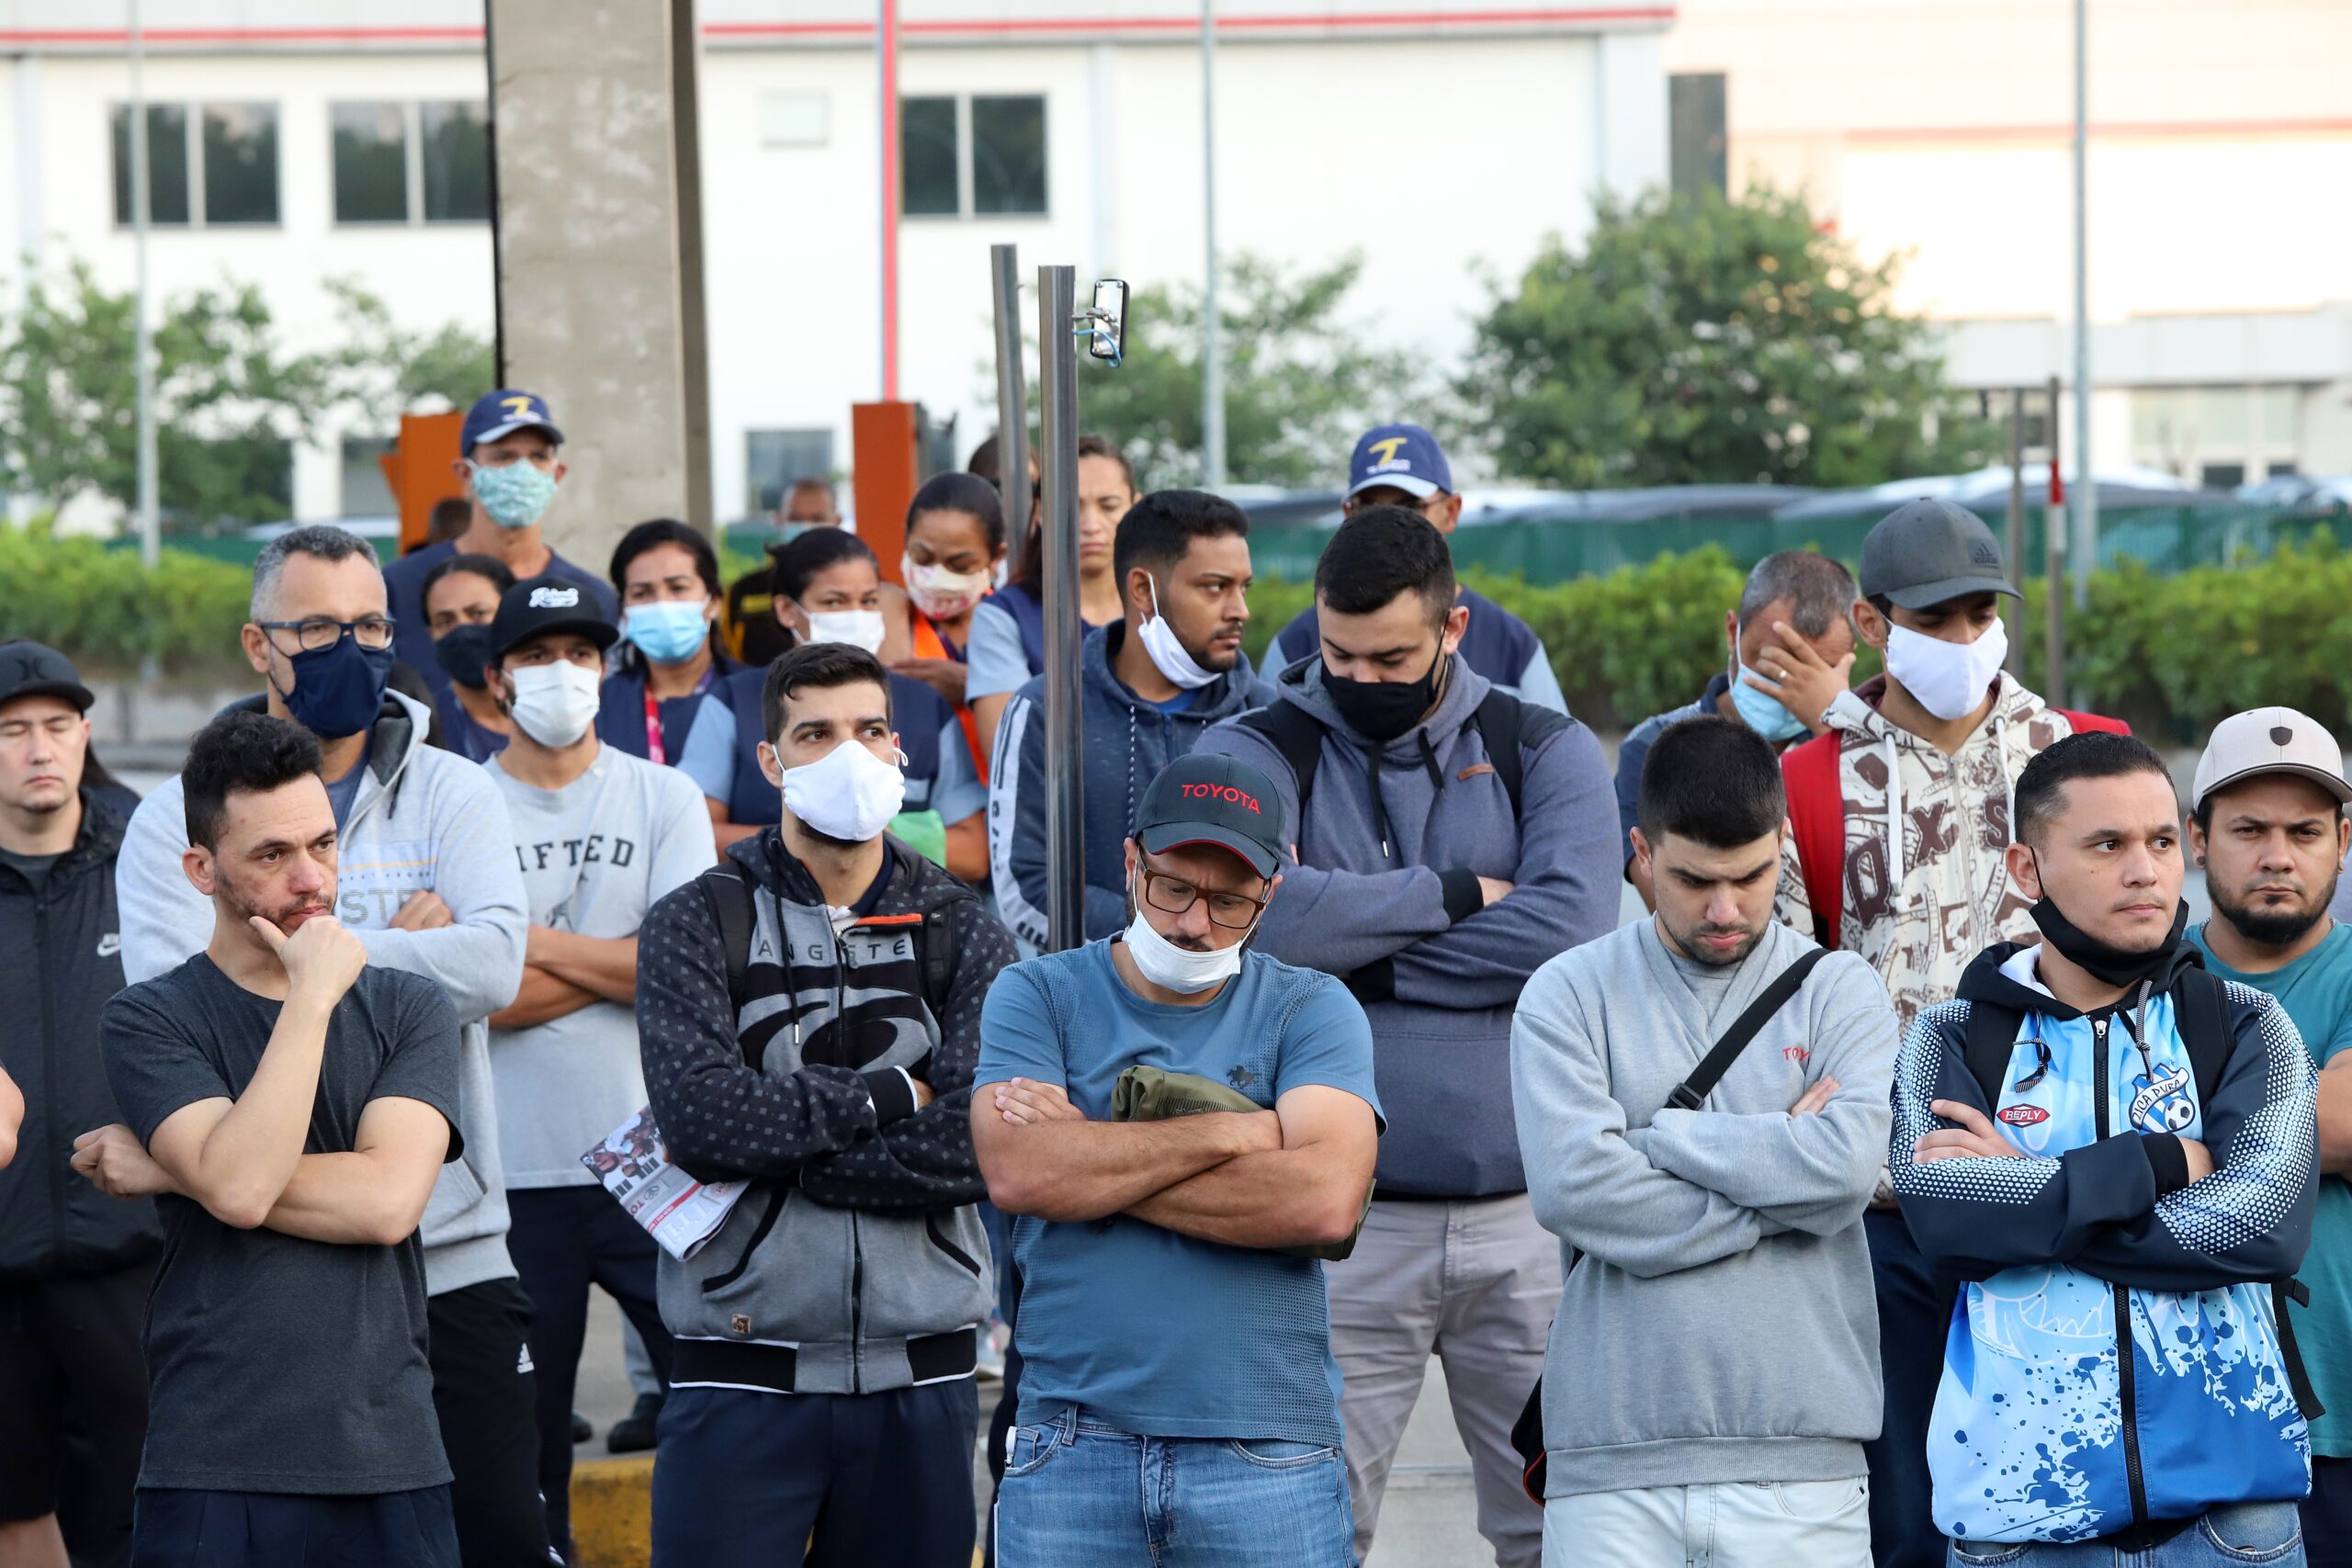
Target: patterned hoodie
{"points": [[1918, 907]]}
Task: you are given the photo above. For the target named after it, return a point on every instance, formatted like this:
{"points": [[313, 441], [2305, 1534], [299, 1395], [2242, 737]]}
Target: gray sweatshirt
{"points": [[422, 819], [1719, 1326], [1384, 893]]}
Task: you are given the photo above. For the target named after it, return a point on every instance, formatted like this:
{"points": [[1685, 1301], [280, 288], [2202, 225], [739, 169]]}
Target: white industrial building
{"points": [[303, 140], [1436, 137], [2221, 148]]}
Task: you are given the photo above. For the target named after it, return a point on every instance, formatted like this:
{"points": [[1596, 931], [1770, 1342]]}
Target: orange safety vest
{"points": [[928, 644]]}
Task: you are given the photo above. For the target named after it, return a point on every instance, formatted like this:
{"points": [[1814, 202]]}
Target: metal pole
{"points": [[1057, 473], [886, 55], [1012, 404], [151, 528], [1212, 355], [2016, 541], [2054, 571], [2085, 518]]}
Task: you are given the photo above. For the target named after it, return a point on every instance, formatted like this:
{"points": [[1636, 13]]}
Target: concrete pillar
{"points": [[599, 225]]}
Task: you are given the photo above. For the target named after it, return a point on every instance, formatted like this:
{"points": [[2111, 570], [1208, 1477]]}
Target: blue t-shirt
{"points": [[1181, 702], [2316, 991], [1153, 1332], [342, 791]]}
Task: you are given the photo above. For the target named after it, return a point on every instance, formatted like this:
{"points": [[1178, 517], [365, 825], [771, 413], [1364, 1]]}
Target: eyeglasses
{"points": [[318, 634], [1173, 895]]}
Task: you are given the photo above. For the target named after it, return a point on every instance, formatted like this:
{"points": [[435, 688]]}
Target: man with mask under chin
{"points": [[1900, 816], [1451, 840], [426, 879], [1150, 685], [808, 1013], [2267, 824], [511, 463], [2114, 1151]]}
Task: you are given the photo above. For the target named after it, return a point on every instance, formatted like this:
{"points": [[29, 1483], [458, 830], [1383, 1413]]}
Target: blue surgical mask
{"points": [[338, 690], [670, 632], [515, 495], [1760, 711]]}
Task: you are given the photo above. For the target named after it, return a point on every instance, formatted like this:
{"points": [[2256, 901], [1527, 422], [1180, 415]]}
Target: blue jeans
{"points": [[2242, 1532], [1079, 1493]]}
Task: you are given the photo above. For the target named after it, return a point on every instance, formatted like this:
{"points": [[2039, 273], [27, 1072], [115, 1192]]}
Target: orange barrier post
{"points": [[882, 446]]}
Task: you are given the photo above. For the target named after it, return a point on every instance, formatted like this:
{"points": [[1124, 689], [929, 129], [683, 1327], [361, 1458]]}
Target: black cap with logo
{"points": [[35, 670], [1199, 799], [545, 604], [1929, 552]]}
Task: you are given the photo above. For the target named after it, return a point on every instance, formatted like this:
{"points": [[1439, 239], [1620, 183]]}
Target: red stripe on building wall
{"points": [[1129, 26]]}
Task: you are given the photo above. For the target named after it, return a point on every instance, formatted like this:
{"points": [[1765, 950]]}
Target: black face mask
{"points": [[462, 651], [1383, 710], [2098, 959]]}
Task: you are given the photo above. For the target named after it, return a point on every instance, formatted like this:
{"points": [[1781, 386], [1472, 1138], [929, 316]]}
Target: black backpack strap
{"points": [[2203, 1009], [1298, 736], [1990, 1037], [1691, 1091], [1510, 729], [1527, 1440], [943, 940], [2299, 1379], [729, 892]]}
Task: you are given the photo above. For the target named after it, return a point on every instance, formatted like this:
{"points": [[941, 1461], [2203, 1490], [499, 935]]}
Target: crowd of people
{"points": [[1912, 1184]]}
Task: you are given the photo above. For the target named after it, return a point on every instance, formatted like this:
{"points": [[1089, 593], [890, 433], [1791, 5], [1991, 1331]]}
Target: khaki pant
{"points": [[1475, 1283]]}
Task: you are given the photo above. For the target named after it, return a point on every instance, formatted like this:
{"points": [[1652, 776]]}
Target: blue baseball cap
{"points": [[1405, 457], [502, 413]]}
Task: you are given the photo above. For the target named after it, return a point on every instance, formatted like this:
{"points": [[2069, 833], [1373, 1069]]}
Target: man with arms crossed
{"points": [[599, 836], [2266, 823], [281, 1094], [2117, 1153], [1161, 1333], [426, 878], [1713, 1371]]}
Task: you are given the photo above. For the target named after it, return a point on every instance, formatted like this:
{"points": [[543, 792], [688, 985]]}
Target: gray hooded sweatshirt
{"points": [[421, 818], [1719, 1326], [1404, 925]]}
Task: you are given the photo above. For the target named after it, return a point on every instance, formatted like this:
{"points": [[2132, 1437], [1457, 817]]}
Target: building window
{"points": [[370, 162], [773, 458], [1699, 137], [171, 160], [794, 119], [411, 163], [967, 157], [365, 491], [456, 137]]}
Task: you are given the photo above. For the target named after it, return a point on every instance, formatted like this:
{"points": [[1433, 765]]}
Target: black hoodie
{"points": [[61, 959]]}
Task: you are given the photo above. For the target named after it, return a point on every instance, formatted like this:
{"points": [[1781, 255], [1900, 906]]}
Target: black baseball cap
{"points": [[1200, 799], [543, 604], [36, 670], [1930, 551]]}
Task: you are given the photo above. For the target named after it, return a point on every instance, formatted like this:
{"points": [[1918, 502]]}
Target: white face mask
{"points": [[1174, 968], [940, 593], [555, 703], [1167, 654], [1949, 679], [859, 628], [848, 793]]}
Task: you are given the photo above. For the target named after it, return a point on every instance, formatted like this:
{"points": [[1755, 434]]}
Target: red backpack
{"points": [[1817, 816]]}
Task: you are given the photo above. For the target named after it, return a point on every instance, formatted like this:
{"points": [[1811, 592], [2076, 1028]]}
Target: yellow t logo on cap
{"points": [[1384, 451], [517, 407]]}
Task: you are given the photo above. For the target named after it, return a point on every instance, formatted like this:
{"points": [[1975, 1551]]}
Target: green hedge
{"points": [[2172, 653], [104, 609]]}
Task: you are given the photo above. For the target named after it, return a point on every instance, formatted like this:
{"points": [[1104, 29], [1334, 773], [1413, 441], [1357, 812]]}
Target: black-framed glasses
{"points": [[1173, 895], [319, 633]]}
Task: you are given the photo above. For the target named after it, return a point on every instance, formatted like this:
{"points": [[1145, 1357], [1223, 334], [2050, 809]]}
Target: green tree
{"points": [[229, 400], [1300, 383], [1702, 340], [382, 369]]}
